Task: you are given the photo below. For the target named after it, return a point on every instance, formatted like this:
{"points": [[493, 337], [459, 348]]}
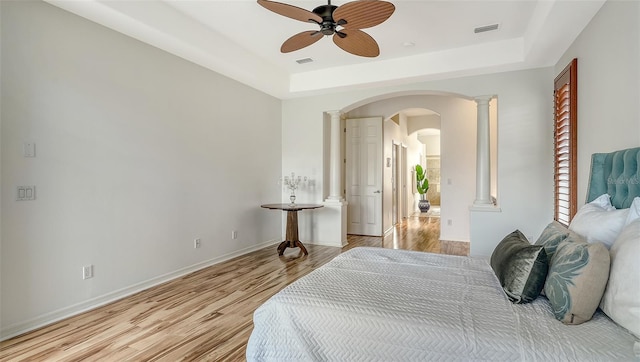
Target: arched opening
{"points": [[457, 115]]}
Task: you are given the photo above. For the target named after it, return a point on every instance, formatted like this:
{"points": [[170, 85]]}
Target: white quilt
{"points": [[373, 304]]}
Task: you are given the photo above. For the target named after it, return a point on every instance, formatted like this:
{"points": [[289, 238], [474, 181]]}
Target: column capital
{"points": [[335, 113], [483, 99]]}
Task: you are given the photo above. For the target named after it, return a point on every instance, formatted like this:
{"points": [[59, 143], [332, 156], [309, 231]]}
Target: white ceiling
{"points": [[241, 39]]}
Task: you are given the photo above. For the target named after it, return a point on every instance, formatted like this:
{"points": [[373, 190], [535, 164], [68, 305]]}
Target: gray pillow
{"points": [[521, 267]]}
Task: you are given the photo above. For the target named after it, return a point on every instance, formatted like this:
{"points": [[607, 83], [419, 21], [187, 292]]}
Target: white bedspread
{"points": [[373, 304]]}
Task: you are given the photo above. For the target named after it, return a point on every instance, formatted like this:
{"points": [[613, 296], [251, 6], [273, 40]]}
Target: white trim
{"points": [[387, 232], [93, 303], [326, 243], [487, 208]]}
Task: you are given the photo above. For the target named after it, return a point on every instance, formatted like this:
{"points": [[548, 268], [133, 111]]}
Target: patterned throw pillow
{"points": [[520, 267], [577, 277], [551, 236]]}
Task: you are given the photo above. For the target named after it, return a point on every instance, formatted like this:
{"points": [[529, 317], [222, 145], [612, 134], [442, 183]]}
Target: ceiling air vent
{"points": [[482, 29], [304, 60]]}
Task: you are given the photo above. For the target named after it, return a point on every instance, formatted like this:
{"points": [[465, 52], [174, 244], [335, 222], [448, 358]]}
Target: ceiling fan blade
{"points": [[300, 41], [356, 42], [290, 11], [363, 14]]}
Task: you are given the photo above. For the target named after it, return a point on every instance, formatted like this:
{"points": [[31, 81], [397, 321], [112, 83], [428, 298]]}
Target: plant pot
{"points": [[424, 205]]}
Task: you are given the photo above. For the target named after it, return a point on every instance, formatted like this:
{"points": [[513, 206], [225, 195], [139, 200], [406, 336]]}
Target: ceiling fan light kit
{"points": [[343, 22]]}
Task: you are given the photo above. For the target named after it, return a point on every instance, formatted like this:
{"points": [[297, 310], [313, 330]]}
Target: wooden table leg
{"points": [[299, 245], [292, 240], [281, 247]]}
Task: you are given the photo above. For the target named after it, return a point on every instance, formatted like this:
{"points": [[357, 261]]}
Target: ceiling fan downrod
{"points": [[328, 25]]}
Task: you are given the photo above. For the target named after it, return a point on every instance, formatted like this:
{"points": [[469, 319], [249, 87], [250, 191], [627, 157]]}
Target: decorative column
{"points": [[335, 174], [483, 160], [332, 218]]}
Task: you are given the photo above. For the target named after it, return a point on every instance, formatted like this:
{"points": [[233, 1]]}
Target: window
{"points": [[565, 143]]}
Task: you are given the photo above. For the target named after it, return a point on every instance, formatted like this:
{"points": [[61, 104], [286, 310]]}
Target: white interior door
{"points": [[364, 176]]}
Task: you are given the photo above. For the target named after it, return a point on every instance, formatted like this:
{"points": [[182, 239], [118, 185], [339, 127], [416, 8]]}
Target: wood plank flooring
{"points": [[203, 316]]}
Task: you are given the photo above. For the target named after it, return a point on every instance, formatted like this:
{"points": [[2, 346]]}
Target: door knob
{"points": [[376, 192]]}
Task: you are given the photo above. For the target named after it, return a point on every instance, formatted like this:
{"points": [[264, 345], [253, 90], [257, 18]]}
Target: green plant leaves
{"points": [[422, 183]]}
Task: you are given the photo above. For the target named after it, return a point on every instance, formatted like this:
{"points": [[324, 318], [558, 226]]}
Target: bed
{"points": [[373, 304]]}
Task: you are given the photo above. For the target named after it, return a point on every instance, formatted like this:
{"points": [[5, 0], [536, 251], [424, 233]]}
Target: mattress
{"points": [[374, 304]]}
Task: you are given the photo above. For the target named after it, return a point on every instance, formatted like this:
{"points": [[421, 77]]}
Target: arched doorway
{"points": [[456, 116]]}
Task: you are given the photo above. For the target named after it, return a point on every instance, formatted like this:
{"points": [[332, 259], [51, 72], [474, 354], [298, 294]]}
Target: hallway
{"points": [[420, 232]]}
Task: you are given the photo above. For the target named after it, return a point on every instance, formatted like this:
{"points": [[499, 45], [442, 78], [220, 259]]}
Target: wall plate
{"points": [[25, 193]]}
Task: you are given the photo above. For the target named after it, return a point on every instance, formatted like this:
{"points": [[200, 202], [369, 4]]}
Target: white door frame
{"points": [[403, 182], [397, 180]]}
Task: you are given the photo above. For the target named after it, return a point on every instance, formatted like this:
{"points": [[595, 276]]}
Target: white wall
{"points": [[138, 153], [608, 52], [524, 133], [433, 145]]}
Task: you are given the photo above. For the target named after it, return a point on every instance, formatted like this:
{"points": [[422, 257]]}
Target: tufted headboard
{"points": [[616, 173]]}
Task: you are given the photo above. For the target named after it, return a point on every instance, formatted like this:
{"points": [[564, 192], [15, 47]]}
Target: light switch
{"points": [[29, 149], [26, 193]]}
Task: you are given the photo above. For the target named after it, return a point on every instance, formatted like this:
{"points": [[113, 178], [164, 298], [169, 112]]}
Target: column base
{"points": [[332, 222], [334, 200]]}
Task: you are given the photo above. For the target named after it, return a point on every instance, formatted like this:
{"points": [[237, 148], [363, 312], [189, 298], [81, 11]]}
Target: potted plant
{"points": [[422, 185]]}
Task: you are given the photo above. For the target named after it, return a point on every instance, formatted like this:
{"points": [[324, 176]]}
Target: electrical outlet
{"points": [[449, 222], [196, 243], [234, 234], [29, 149], [87, 272]]}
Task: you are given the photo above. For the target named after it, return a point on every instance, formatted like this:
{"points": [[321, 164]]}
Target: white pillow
{"points": [[597, 224], [634, 211], [604, 201], [621, 300]]}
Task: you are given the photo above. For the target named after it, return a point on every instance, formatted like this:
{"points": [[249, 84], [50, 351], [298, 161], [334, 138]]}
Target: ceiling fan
{"points": [[343, 22]]}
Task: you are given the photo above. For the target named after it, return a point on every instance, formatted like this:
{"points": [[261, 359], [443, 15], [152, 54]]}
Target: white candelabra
{"points": [[292, 182]]}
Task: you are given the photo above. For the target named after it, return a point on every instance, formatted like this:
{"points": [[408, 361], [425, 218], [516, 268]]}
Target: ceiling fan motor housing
{"points": [[328, 25]]}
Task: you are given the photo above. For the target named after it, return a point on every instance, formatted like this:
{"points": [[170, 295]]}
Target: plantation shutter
{"points": [[565, 143]]}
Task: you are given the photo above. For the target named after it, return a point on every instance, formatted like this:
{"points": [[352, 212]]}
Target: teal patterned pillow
{"points": [[578, 274], [520, 267], [551, 236]]}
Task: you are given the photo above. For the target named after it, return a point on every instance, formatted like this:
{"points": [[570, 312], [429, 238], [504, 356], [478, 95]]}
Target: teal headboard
{"points": [[616, 173]]}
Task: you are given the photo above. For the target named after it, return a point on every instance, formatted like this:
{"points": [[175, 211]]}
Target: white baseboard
{"points": [[324, 243], [93, 303]]}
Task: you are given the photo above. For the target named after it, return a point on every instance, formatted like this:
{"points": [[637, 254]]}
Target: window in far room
{"points": [[565, 143]]}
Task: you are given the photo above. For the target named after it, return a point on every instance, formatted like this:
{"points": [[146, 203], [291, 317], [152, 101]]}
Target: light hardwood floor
{"points": [[203, 316]]}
